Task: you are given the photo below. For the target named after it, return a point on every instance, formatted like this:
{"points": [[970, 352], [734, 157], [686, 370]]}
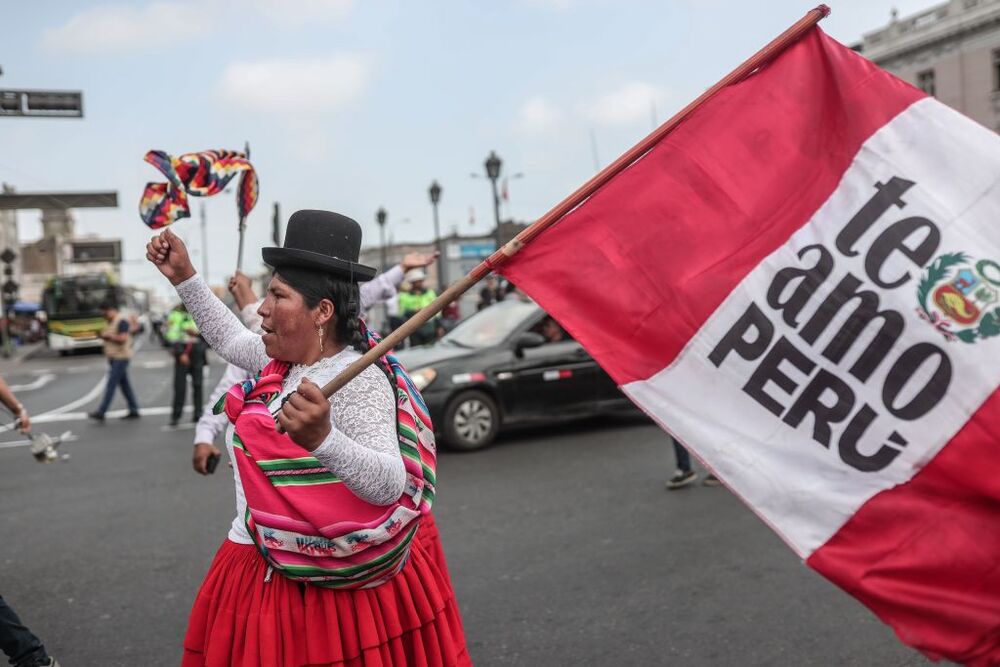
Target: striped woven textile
{"points": [[303, 520], [201, 174], [414, 427]]}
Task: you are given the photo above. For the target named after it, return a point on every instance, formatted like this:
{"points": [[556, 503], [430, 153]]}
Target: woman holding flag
{"points": [[320, 567]]}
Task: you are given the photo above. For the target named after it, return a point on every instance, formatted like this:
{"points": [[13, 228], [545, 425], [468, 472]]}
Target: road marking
{"points": [[76, 370], [52, 417], [83, 400], [65, 412], [147, 365], [37, 383], [186, 426]]}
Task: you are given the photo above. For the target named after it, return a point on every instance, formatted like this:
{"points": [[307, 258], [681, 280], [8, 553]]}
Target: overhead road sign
{"points": [[42, 103], [57, 200]]}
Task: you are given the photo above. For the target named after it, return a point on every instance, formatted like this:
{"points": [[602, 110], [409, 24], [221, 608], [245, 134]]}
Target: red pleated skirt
{"points": [[239, 620]]}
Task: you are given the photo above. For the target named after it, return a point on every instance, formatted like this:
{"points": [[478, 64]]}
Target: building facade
{"points": [[61, 252], [950, 51]]}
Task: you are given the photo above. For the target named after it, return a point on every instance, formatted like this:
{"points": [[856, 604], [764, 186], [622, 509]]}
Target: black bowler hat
{"points": [[322, 241]]}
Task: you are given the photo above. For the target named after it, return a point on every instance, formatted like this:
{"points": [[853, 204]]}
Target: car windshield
{"points": [[491, 325]]}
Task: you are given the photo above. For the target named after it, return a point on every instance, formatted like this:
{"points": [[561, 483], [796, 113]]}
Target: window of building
{"points": [[925, 81], [996, 69]]}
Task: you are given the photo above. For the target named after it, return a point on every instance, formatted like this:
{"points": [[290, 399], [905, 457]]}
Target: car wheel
{"points": [[471, 421]]}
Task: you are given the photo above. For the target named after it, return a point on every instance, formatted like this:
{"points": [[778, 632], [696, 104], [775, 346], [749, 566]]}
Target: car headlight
{"points": [[423, 377]]}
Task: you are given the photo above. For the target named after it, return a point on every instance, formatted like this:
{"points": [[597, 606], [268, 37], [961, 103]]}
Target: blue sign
{"points": [[476, 250]]}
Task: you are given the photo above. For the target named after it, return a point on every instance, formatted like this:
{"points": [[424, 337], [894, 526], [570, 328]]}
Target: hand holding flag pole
{"points": [[772, 50]]}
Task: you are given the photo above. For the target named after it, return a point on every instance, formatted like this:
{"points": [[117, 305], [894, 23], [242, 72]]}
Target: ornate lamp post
{"points": [[380, 217], [435, 193], [493, 164]]}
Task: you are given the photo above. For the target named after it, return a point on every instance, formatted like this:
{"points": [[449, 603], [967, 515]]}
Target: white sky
{"points": [[350, 106]]}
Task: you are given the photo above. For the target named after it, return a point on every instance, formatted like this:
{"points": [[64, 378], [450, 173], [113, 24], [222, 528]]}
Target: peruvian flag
{"points": [[801, 283]]}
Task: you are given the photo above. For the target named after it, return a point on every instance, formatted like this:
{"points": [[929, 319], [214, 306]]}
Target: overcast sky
{"points": [[350, 106]]}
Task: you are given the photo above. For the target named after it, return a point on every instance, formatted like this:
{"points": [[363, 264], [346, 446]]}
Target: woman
{"points": [[250, 610]]}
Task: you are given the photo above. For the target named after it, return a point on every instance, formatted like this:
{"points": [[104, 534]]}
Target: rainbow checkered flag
{"points": [[200, 174]]}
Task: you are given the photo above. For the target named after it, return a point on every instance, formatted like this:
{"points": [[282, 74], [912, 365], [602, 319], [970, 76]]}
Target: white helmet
{"points": [[413, 275]]}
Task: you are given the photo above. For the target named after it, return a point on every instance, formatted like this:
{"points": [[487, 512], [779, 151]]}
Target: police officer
{"points": [[418, 296], [189, 359]]}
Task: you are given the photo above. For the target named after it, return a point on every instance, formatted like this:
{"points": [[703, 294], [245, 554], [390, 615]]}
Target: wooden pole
{"points": [[779, 44], [243, 220], [239, 254]]}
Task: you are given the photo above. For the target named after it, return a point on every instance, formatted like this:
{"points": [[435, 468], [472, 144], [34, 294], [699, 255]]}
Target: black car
{"points": [[508, 364]]}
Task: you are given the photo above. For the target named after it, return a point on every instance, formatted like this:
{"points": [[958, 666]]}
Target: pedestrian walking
{"points": [[19, 644], [189, 360], [117, 336], [390, 606], [685, 474]]}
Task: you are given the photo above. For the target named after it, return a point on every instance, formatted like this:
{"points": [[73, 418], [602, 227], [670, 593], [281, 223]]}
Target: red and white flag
{"points": [[801, 283]]}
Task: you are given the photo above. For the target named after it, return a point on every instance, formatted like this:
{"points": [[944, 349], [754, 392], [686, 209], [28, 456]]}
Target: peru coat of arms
{"points": [[960, 297]]}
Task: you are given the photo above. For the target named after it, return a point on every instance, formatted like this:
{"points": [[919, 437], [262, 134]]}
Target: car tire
{"points": [[471, 421]]}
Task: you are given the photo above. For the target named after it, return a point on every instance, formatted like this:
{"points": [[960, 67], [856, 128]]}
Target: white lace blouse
{"points": [[362, 449]]}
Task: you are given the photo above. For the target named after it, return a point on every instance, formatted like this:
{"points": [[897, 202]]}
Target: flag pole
{"points": [[243, 218], [779, 44]]}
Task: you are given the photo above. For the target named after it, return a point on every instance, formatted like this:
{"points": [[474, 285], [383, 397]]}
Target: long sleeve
{"points": [[381, 287], [251, 320], [211, 425], [220, 327], [362, 448]]}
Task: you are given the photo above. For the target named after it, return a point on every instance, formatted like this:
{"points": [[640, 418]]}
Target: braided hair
{"points": [[314, 286]]}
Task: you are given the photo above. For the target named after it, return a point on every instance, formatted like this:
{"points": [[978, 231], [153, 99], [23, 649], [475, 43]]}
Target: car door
{"points": [[554, 378]]}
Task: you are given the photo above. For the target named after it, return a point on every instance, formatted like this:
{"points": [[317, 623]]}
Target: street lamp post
{"points": [[493, 164], [380, 218], [435, 193]]}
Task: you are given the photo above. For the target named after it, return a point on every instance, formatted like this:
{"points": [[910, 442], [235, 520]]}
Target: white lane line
{"points": [[58, 413], [51, 417], [147, 365], [76, 370], [83, 400], [186, 426], [37, 383]]}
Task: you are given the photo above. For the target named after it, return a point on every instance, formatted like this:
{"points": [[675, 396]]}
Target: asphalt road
{"points": [[564, 547]]}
